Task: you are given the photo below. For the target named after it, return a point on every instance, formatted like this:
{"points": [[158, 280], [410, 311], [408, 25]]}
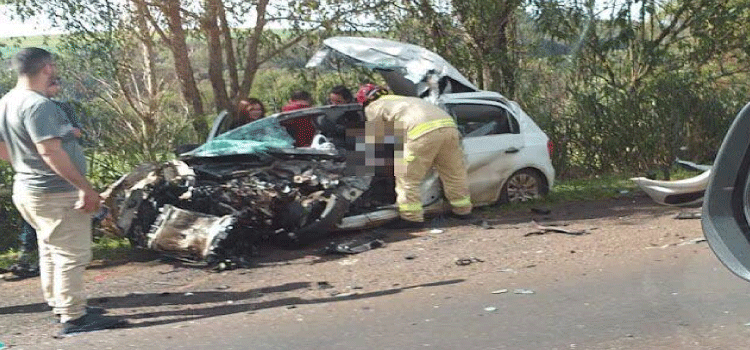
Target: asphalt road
{"points": [[675, 298]]}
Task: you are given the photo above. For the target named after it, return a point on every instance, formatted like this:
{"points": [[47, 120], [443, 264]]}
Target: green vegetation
{"points": [[619, 96]]}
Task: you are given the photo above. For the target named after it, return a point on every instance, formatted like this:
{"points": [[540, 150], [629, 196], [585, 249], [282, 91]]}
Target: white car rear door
{"points": [[492, 143]]}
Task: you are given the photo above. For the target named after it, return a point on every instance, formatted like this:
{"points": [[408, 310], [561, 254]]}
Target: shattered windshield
{"points": [[252, 138]]}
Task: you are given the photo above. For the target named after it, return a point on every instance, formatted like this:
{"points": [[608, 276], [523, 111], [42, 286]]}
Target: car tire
{"points": [[523, 185]]}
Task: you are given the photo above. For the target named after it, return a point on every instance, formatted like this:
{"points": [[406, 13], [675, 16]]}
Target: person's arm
{"points": [[4, 152], [53, 154]]}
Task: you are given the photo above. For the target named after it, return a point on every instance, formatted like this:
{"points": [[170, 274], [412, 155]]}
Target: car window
{"points": [[482, 119]]}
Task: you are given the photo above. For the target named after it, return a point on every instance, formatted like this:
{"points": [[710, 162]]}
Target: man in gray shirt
{"points": [[50, 189]]}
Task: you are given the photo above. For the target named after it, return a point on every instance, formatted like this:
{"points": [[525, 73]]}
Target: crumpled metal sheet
{"points": [[189, 234], [214, 210], [413, 62]]}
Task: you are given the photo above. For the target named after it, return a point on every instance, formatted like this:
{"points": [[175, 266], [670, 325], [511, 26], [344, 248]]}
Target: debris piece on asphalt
{"points": [[436, 231], [348, 262], [541, 229], [355, 246], [686, 215], [410, 257], [468, 261], [541, 211], [500, 291], [324, 285], [694, 241], [523, 291], [222, 287], [490, 309]]}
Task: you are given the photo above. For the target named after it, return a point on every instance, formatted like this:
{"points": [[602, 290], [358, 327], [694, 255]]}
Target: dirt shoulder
{"points": [[150, 291]]}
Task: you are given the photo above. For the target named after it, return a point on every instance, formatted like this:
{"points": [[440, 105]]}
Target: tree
{"points": [[234, 53], [478, 35], [642, 75]]}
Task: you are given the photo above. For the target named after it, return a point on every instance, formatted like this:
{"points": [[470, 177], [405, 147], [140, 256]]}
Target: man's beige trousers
{"points": [[64, 237]]}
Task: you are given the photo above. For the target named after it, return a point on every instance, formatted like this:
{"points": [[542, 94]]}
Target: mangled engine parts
{"points": [[217, 210]]}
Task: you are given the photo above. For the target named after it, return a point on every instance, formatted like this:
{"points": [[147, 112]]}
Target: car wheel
{"points": [[523, 185]]}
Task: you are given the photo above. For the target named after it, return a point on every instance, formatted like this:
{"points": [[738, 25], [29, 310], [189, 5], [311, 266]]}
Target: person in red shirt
{"points": [[301, 129]]}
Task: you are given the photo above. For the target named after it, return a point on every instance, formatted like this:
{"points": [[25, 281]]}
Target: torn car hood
{"points": [[409, 69]]}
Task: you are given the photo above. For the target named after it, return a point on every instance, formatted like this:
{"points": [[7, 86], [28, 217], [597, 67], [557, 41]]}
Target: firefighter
{"points": [[430, 139]]}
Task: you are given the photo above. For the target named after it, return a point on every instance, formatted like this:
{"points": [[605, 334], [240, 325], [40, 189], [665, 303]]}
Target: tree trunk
{"points": [[231, 65], [215, 57], [183, 68], [251, 63]]}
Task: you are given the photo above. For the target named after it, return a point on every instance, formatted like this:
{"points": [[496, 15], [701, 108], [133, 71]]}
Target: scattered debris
{"points": [[490, 309], [324, 285], [436, 231], [484, 224], [348, 262], [410, 257], [685, 215], [523, 291], [541, 211], [693, 241], [468, 261], [540, 230], [355, 246], [500, 291]]}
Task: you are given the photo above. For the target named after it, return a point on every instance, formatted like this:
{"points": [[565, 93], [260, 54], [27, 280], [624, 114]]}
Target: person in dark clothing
{"points": [[301, 129]]}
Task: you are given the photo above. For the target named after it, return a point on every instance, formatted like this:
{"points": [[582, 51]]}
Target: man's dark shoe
{"points": [[403, 224], [21, 270], [90, 310], [90, 322]]}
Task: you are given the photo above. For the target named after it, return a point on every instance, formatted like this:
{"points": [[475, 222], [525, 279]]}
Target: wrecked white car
{"points": [[251, 184]]}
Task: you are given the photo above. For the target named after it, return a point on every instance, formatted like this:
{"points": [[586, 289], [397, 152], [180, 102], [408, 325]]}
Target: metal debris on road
{"points": [[468, 261], [500, 291], [355, 246], [685, 215], [490, 309], [541, 229], [694, 241], [523, 291], [436, 231]]}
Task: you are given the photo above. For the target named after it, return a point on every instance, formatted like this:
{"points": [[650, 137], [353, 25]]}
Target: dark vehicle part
{"points": [[726, 205], [220, 207], [523, 185]]}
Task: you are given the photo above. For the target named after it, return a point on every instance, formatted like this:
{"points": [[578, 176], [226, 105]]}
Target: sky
{"points": [[40, 25], [33, 26]]}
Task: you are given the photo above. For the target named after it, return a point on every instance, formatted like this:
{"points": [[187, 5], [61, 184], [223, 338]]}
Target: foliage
{"points": [[641, 86]]}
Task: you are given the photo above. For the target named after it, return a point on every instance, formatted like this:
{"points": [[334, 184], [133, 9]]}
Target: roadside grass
{"points": [[104, 249]]}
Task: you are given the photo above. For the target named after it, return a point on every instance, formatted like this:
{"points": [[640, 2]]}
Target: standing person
{"points": [[430, 139], [248, 110], [340, 95], [50, 189], [28, 261]]}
